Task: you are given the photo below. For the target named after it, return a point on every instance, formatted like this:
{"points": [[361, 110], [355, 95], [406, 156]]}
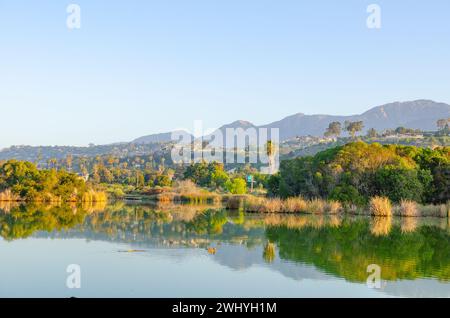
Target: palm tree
{"points": [[270, 152]]}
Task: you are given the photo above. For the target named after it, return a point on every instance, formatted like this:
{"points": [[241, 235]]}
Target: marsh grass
{"points": [[185, 192], [408, 208], [295, 205], [441, 210], [290, 205], [334, 207], [316, 206], [380, 206]]}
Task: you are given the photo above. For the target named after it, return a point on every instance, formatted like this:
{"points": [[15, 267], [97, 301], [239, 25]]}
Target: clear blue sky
{"points": [[141, 67]]}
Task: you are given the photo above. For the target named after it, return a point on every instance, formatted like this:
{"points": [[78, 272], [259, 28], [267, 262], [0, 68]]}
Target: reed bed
{"points": [[183, 192], [290, 205], [441, 210], [380, 206], [94, 196], [408, 208]]}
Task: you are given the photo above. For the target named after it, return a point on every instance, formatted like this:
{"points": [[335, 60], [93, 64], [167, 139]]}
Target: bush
{"points": [[357, 171], [236, 186]]}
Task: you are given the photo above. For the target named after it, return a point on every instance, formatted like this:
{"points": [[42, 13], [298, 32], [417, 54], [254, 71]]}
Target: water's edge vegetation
{"points": [[356, 178]]}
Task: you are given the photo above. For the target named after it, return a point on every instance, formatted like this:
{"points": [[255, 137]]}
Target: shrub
{"points": [[236, 186]]}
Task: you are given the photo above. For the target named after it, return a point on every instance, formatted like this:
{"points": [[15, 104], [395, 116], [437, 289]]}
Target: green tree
{"points": [[236, 186], [334, 129], [353, 127]]}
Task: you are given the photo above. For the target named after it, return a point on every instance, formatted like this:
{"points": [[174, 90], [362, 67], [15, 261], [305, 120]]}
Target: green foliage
{"points": [[273, 185], [206, 174], [334, 129], [347, 250], [31, 184], [356, 171], [236, 186], [219, 178], [352, 127], [163, 181], [399, 183]]}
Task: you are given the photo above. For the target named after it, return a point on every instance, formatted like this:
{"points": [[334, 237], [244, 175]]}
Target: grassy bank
{"points": [[46, 197], [274, 205], [182, 192], [378, 206]]}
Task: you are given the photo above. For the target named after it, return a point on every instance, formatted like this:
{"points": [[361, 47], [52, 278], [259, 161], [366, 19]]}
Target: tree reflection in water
{"points": [[405, 248]]}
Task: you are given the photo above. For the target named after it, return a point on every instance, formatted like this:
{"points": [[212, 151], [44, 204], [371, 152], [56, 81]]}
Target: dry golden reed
{"points": [[408, 208], [380, 206]]}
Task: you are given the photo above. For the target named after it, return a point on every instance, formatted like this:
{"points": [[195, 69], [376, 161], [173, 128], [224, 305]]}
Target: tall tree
{"points": [[372, 133], [352, 127], [69, 161], [442, 123], [334, 129]]}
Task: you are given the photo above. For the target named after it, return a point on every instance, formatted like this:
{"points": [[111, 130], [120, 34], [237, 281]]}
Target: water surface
{"points": [[129, 250]]}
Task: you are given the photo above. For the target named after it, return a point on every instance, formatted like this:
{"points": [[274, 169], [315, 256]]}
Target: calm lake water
{"points": [[126, 250]]}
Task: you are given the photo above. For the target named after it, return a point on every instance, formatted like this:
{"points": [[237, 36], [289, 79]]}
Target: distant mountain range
{"points": [[419, 114], [162, 137]]}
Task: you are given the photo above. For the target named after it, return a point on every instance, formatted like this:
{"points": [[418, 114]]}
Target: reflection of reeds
{"points": [[335, 221], [7, 206], [380, 206], [409, 224], [381, 226], [301, 221], [93, 206]]}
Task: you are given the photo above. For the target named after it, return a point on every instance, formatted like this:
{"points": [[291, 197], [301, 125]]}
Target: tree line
{"points": [[357, 171]]}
